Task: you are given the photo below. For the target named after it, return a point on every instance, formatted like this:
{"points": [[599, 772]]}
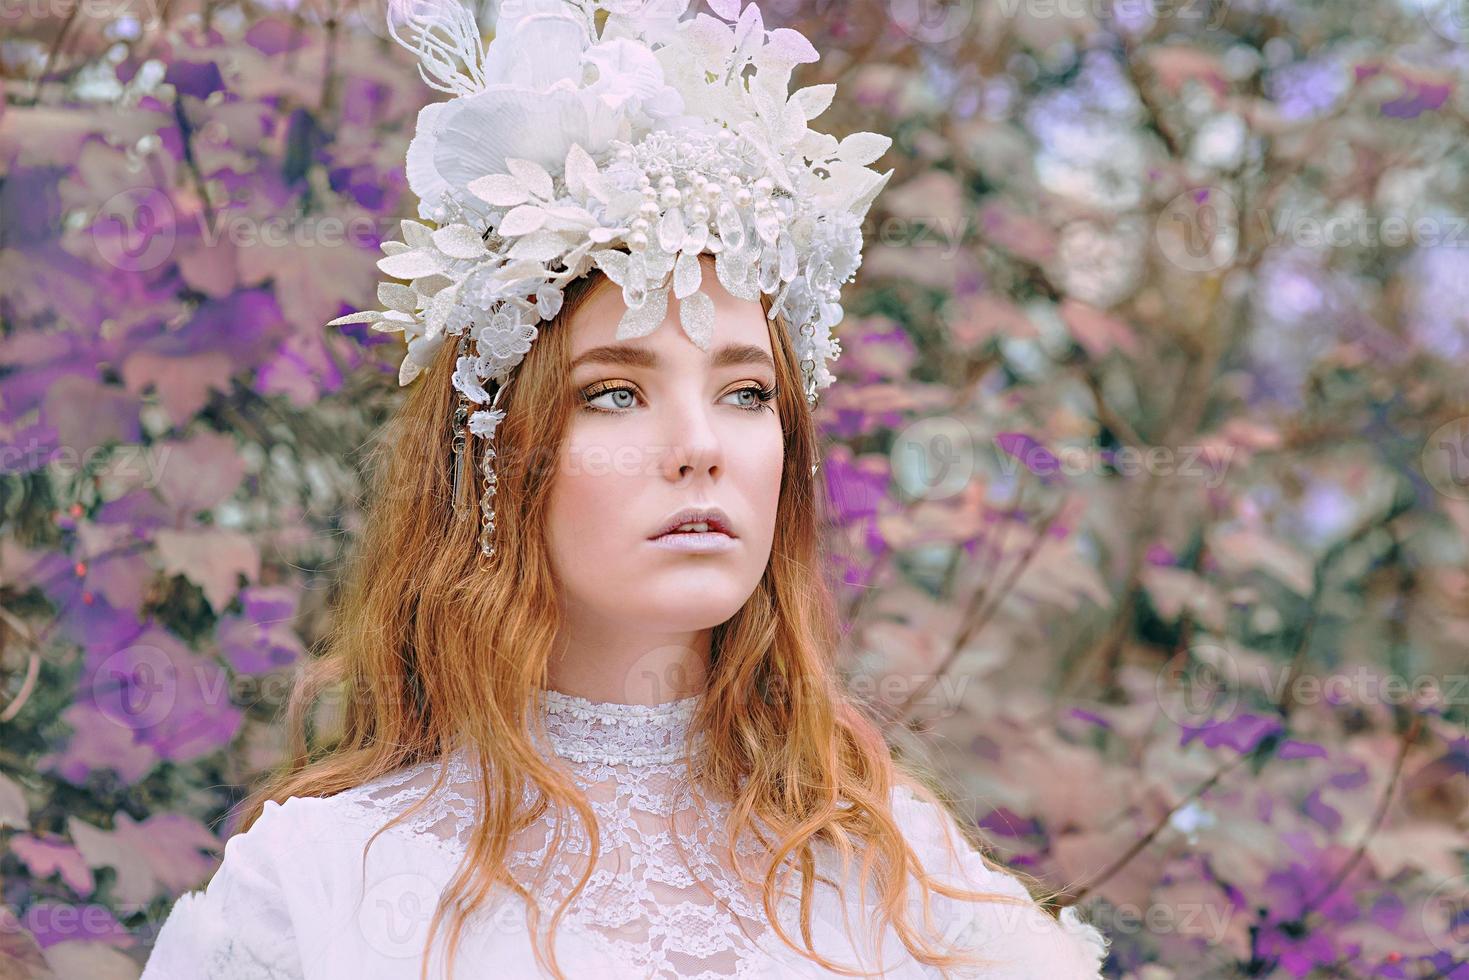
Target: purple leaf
{"points": [[1242, 733], [1321, 812], [1030, 454], [1293, 749]]}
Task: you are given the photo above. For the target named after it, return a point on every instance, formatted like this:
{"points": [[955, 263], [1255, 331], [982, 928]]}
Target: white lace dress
{"points": [[292, 899]]}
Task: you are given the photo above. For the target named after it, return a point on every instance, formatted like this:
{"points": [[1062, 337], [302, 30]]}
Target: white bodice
{"points": [[662, 902]]}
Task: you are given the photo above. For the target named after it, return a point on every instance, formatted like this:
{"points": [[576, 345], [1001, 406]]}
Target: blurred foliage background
{"points": [[1149, 462]]}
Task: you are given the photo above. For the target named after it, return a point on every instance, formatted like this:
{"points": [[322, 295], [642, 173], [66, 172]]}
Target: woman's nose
{"points": [[694, 443]]}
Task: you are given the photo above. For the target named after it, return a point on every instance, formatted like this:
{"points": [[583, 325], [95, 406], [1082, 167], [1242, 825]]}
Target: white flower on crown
{"points": [[633, 149]]}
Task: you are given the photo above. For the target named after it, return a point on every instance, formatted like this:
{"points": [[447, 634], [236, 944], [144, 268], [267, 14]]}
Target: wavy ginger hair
{"points": [[429, 644]]}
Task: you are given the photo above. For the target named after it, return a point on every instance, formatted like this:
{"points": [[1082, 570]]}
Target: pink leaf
{"points": [[211, 558]]}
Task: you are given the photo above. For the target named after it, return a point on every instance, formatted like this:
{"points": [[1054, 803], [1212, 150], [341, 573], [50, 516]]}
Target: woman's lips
{"points": [[694, 541]]}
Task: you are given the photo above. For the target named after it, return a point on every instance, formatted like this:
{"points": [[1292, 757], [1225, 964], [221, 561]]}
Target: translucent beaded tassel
{"points": [[487, 504], [487, 498]]}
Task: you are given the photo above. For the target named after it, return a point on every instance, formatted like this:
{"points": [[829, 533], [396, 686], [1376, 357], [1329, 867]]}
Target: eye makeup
{"points": [[763, 395]]}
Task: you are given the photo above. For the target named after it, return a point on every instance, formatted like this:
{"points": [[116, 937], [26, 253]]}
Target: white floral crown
{"points": [[633, 148]]}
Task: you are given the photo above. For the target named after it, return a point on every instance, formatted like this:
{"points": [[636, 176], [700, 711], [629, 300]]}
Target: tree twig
{"points": [[1384, 801], [976, 616], [1139, 845]]}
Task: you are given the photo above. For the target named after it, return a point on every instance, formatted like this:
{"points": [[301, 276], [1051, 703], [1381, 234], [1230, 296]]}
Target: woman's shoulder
{"points": [[449, 804], [240, 926], [273, 877], [1020, 937]]}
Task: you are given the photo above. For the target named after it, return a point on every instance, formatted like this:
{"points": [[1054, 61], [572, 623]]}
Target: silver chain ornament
{"points": [[458, 494], [460, 443]]}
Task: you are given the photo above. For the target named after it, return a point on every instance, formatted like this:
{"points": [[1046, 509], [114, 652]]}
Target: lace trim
{"points": [[612, 733]]}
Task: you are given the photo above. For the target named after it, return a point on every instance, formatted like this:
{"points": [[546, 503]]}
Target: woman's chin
{"points": [[691, 601]]}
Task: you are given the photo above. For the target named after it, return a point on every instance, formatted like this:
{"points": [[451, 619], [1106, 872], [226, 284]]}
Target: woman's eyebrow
{"points": [[729, 355]]}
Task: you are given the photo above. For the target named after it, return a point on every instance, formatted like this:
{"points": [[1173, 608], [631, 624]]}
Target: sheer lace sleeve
{"points": [[1020, 942], [241, 926]]}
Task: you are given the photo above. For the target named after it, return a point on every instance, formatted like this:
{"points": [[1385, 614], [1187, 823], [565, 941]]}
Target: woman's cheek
{"points": [[757, 471], [600, 476]]}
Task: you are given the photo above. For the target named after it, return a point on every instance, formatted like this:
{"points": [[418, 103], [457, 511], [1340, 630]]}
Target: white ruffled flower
{"points": [[504, 342], [467, 380], [482, 423]]}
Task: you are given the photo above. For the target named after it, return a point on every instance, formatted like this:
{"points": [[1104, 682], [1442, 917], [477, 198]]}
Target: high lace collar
{"points": [[614, 733]]}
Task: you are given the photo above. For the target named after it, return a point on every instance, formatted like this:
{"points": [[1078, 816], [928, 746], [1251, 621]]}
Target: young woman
{"points": [[589, 720]]}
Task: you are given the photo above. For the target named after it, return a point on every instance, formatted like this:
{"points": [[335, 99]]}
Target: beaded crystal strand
{"points": [[487, 498], [463, 455]]}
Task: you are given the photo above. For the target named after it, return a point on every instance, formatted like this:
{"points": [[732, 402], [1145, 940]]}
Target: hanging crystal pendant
{"points": [[767, 226], [769, 271], [696, 235], [788, 258], [635, 286], [487, 505], [731, 227], [671, 230]]}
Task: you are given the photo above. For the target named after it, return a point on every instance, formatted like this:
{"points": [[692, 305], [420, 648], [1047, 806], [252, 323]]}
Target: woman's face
{"points": [[659, 426]]}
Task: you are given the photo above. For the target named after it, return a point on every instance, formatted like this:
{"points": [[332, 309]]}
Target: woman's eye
{"points": [[627, 400], [759, 398], [620, 398]]}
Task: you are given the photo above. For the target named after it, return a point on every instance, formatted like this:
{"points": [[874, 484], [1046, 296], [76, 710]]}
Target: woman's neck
{"points": [[643, 669]]}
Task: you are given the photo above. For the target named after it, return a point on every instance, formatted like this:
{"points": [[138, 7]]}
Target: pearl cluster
{"points": [[685, 181]]}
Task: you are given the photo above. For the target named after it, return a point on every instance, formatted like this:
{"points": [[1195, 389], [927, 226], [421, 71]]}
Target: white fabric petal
{"points": [[477, 134], [688, 274], [500, 190], [364, 316], [535, 46], [696, 315], [423, 175], [396, 296], [460, 242], [411, 265], [643, 320]]}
